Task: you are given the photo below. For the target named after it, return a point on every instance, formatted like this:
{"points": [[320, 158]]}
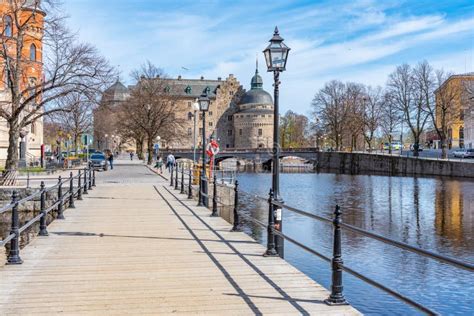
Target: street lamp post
{"points": [[204, 107], [276, 56], [195, 108]]}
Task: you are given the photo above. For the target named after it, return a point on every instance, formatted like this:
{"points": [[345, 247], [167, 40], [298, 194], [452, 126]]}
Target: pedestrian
{"points": [[170, 160], [159, 164], [131, 155], [111, 160]]}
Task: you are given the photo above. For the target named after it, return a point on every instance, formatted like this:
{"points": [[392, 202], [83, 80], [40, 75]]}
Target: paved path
{"points": [[132, 247]]}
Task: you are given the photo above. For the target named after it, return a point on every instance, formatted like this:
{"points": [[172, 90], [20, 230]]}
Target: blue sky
{"points": [[359, 40]]}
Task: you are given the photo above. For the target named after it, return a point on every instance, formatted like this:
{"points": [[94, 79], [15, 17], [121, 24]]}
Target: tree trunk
{"points": [[149, 150], [12, 154], [139, 143], [389, 144], [444, 152], [416, 146]]}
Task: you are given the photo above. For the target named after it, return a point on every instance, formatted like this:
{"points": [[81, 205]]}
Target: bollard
{"points": [[214, 198], [90, 178], [336, 297], [176, 178], [190, 187], [79, 186], [71, 191], [235, 228], [43, 231], [60, 198], [182, 180], [171, 175], [93, 177], [85, 182], [271, 251], [200, 190], [14, 253]]}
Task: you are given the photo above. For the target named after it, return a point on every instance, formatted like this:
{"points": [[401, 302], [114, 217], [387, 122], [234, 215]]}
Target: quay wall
{"points": [[355, 163]]}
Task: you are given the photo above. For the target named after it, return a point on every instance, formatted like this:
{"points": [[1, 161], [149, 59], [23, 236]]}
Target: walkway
{"points": [[134, 247]]}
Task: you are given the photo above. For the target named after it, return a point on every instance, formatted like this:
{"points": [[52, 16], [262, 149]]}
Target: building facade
{"points": [[31, 72], [236, 118], [455, 95]]}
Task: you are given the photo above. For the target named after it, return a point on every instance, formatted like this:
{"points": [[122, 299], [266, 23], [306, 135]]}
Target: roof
{"points": [[256, 111], [469, 75], [116, 92], [256, 96], [193, 88]]}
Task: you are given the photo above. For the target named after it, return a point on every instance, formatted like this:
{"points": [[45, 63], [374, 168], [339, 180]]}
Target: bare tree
{"points": [[444, 110], [354, 99], [76, 119], [390, 117], [373, 105], [68, 67], [330, 107], [151, 107], [408, 93]]}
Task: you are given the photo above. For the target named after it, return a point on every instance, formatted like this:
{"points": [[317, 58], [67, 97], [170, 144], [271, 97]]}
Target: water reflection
{"points": [[434, 214]]}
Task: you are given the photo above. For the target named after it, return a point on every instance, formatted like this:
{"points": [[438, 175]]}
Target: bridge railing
{"points": [[337, 266], [77, 185]]}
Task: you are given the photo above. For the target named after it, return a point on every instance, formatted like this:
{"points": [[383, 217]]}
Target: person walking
{"points": [[170, 160], [111, 161], [131, 155], [159, 164]]}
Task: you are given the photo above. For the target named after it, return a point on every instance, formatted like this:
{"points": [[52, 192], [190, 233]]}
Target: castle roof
{"points": [[256, 94], [116, 92]]}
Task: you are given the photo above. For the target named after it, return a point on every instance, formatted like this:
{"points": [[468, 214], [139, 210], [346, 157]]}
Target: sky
{"points": [[358, 41]]}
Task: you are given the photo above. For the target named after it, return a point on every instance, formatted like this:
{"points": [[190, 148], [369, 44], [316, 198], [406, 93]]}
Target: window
{"points": [[190, 116], [260, 132], [200, 131], [188, 90], [231, 92], [229, 132], [211, 123], [210, 113], [8, 26], [33, 52], [190, 132], [240, 132], [229, 117]]}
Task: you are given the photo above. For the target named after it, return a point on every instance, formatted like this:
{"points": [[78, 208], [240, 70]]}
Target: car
{"points": [[98, 161], [396, 145], [460, 153], [412, 147]]}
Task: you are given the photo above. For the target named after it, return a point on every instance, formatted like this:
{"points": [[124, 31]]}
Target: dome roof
{"points": [[257, 96]]}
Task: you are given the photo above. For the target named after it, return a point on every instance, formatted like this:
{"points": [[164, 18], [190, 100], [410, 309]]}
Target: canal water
{"points": [[436, 214]]}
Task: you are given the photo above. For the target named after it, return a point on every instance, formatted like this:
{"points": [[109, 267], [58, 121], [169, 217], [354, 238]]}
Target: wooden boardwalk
{"points": [[136, 248]]}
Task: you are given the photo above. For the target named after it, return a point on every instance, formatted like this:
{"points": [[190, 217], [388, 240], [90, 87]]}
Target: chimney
{"points": [[219, 78], [179, 77], [202, 77]]}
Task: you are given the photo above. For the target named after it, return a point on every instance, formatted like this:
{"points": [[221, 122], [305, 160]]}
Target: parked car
{"points": [[464, 153], [98, 161], [412, 147], [396, 145]]}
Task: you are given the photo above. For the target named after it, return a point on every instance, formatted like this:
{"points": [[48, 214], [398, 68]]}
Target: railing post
{"points": [[85, 181], [235, 228], [214, 198], [271, 251], [43, 228], [200, 189], [90, 178], [182, 179], [93, 177], [176, 178], [60, 198], [336, 297], [14, 253], [171, 175], [190, 187], [71, 191], [79, 186]]}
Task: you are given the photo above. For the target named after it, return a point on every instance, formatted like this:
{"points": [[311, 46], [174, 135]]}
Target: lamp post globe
{"points": [[276, 56]]}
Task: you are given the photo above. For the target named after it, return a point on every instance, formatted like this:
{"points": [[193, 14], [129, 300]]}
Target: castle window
{"points": [[229, 132], [211, 123], [167, 89], [207, 90], [240, 132], [188, 90], [8, 26], [210, 113], [260, 132], [190, 132], [229, 117], [33, 52], [190, 116]]}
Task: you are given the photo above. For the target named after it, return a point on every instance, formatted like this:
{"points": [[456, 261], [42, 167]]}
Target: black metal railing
{"points": [[64, 198]]}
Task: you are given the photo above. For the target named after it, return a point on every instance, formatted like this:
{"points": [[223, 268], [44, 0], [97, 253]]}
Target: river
{"points": [[436, 214]]}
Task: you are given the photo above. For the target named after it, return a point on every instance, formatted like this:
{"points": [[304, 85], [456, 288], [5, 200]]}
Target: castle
{"points": [[236, 118]]}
